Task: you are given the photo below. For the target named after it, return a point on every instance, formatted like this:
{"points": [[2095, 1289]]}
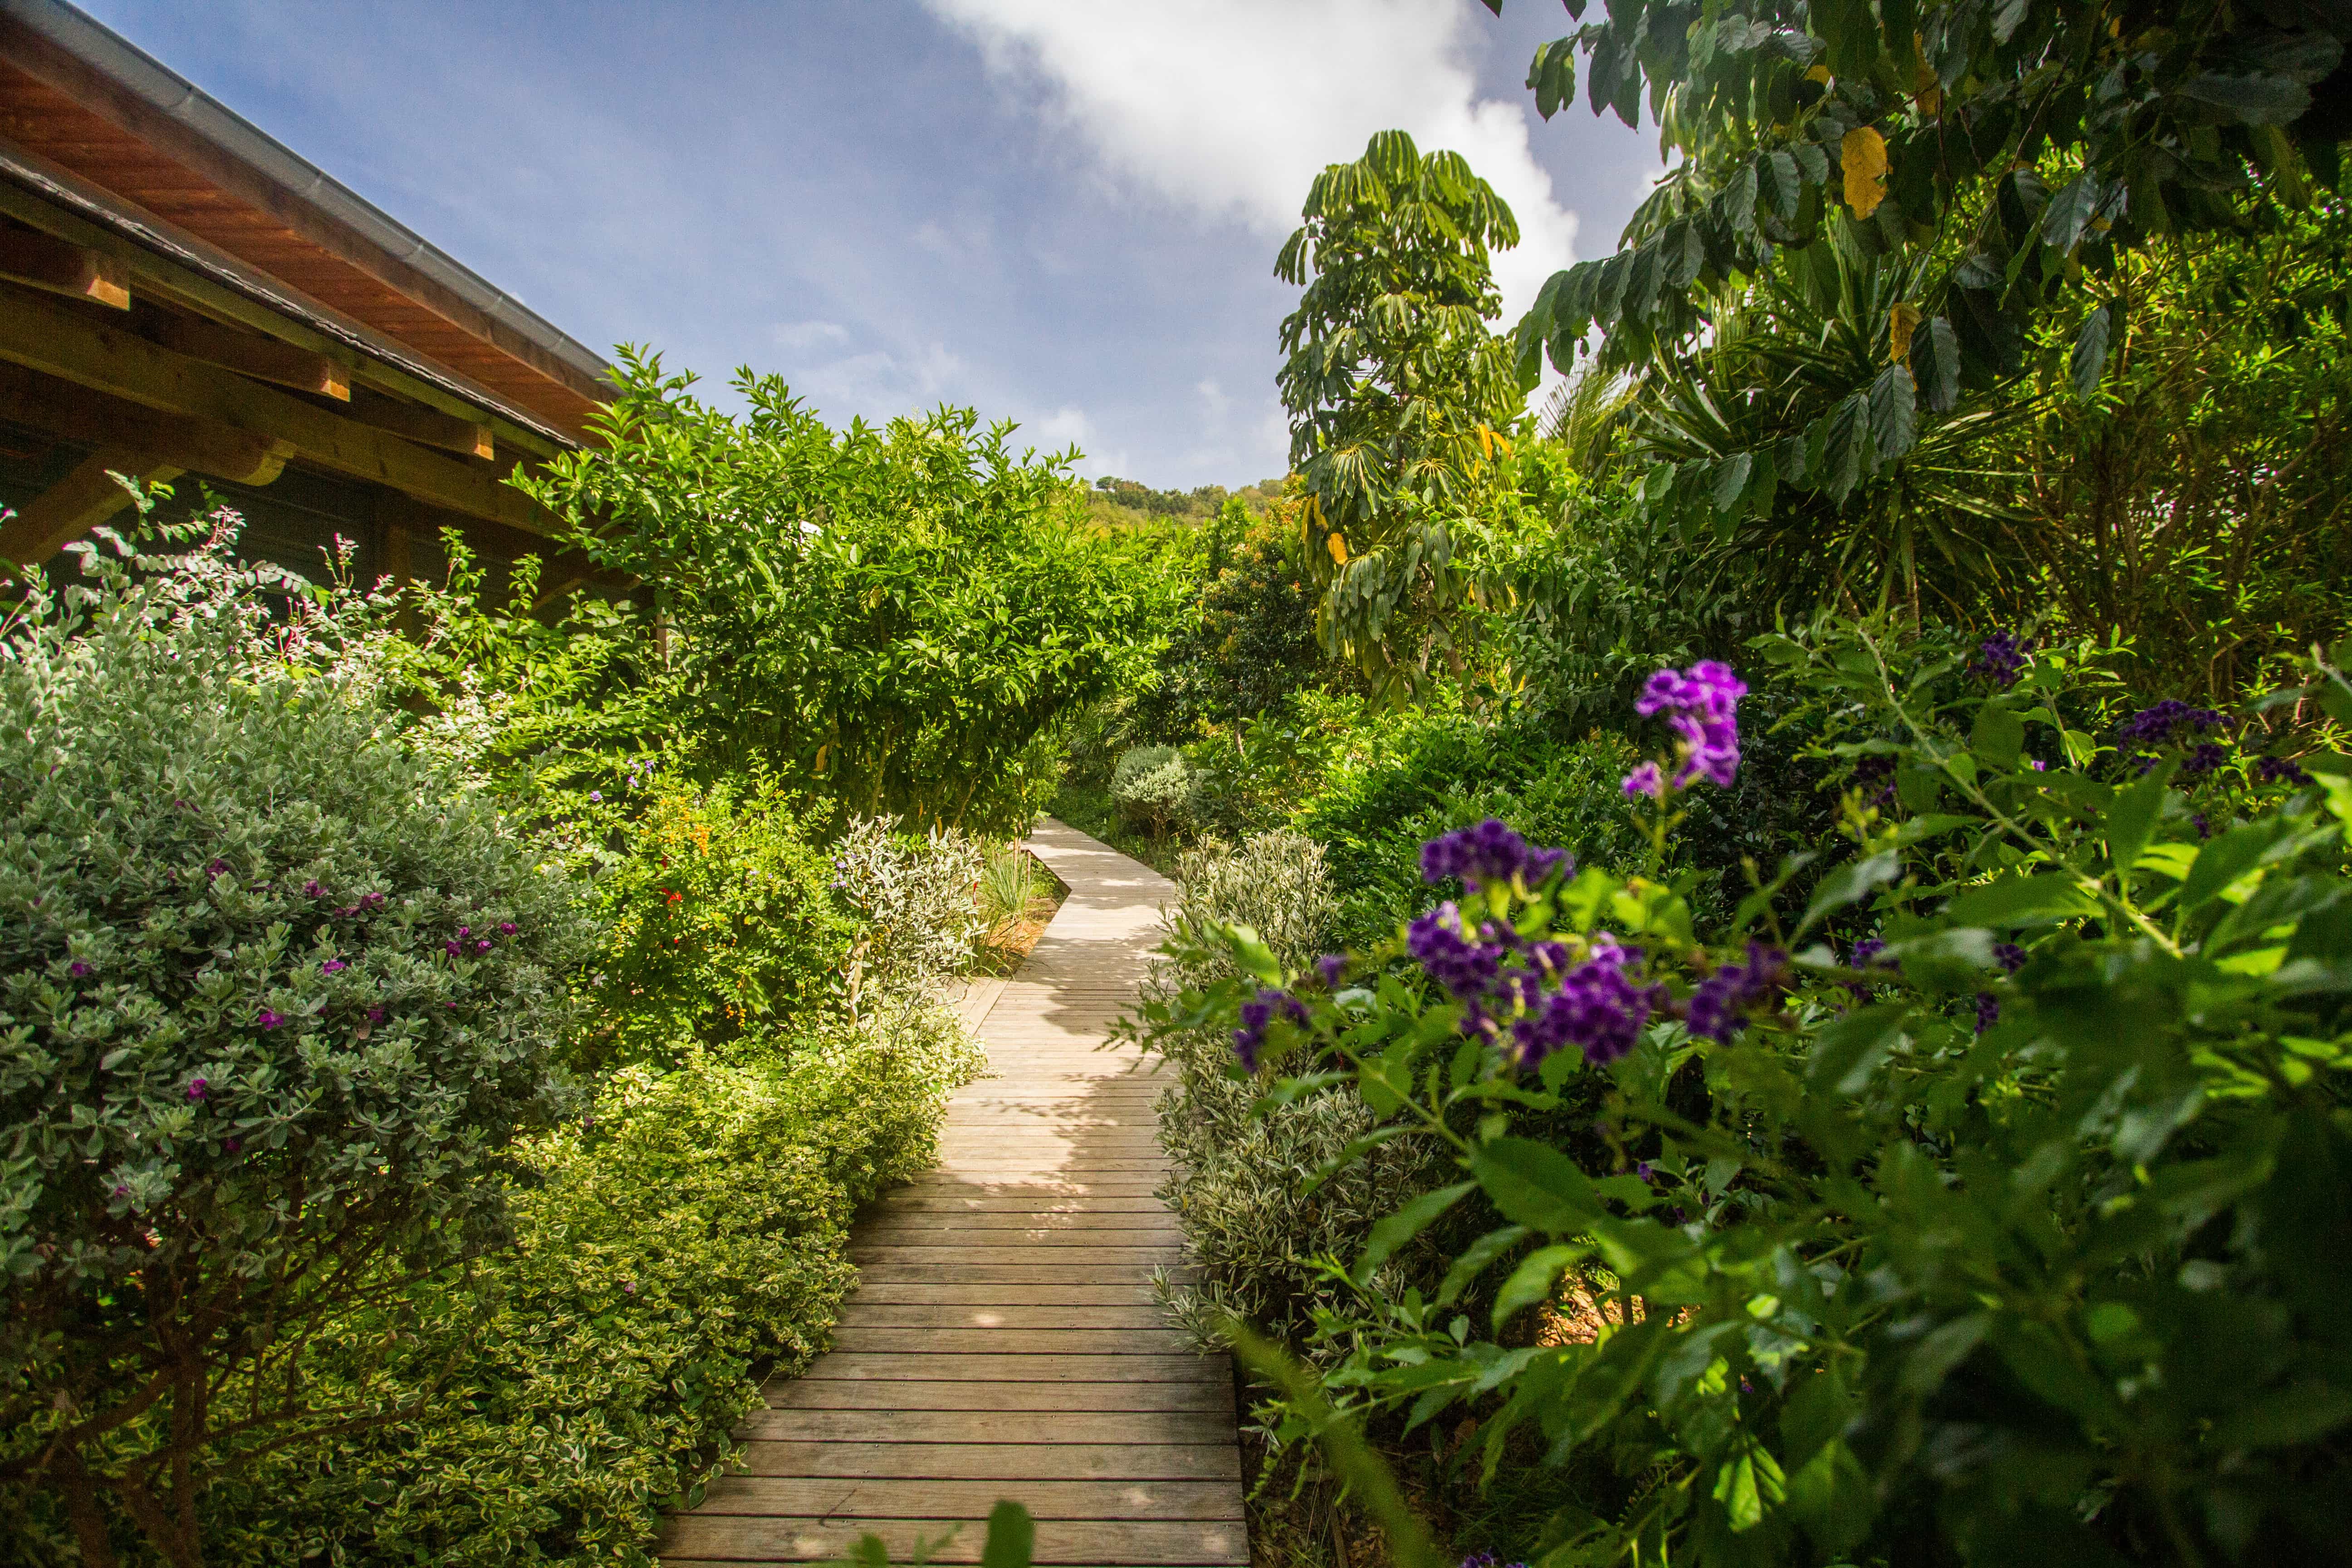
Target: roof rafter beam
{"points": [[45, 261], [55, 341]]}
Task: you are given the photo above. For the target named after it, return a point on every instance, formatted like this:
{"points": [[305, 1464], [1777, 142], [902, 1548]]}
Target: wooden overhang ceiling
{"points": [[111, 121]]}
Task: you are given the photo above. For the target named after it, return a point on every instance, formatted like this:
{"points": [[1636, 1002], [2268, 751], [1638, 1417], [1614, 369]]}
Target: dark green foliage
{"points": [[1431, 773], [1252, 642], [2024, 1237], [722, 919]]}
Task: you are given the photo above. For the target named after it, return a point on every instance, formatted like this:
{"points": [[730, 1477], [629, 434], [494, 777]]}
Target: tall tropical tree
{"points": [[1877, 213], [1399, 394]]}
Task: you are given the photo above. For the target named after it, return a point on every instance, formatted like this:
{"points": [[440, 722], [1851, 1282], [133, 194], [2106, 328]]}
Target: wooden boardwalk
{"points": [[1003, 1341]]}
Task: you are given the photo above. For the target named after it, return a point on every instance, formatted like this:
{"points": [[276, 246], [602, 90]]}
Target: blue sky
{"points": [[1063, 212]]}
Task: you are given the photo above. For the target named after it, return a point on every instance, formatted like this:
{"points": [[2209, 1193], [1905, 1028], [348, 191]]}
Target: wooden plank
{"points": [[962, 1153], [248, 354], [1031, 1250], [944, 1294], [157, 277], [997, 1461], [834, 1394], [864, 1314], [719, 1537], [859, 1367], [793, 1498], [52, 264], [979, 1223], [710, 1538], [1160, 1340], [1064, 1273], [984, 1427], [77, 503], [934, 1201], [78, 414], [52, 339], [1126, 1231]]}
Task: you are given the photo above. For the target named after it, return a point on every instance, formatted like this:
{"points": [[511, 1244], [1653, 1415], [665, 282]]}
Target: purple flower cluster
{"points": [[2171, 720], [1645, 780], [1702, 708], [1468, 969], [1598, 1009], [367, 902], [1490, 855], [1987, 1011], [2275, 770], [2203, 758], [1873, 775], [1720, 1006], [2008, 955], [2002, 658], [1257, 1017], [1594, 1006]]}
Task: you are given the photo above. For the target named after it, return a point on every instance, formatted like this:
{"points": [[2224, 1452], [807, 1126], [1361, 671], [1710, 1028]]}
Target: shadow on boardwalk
{"points": [[1003, 1340]]}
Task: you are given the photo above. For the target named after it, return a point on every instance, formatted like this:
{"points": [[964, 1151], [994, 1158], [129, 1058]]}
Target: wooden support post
{"points": [[74, 505], [50, 263], [264, 359]]}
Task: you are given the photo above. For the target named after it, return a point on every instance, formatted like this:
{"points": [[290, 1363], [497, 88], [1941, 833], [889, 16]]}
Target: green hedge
{"points": [[689, 1234], [1441, 771]]}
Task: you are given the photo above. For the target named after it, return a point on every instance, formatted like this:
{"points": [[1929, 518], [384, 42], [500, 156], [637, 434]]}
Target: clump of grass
{"points": [[1011, 883]]}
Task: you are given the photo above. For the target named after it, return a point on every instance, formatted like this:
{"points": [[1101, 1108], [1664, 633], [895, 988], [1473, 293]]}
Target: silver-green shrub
{"points": [[1154, 787], [1242, 1191], [917, 899], [276, 993]]}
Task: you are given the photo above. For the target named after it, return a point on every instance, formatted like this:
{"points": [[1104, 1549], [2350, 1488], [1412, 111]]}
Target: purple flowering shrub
{"points": [[275, 992], [2019, 1230]]}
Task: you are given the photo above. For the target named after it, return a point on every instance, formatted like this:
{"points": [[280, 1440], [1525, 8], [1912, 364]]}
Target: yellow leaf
{"points": [[820, 751], [1338, 545], [1901, 322], [1819, 74], [1926, 88], [1863, 154]]}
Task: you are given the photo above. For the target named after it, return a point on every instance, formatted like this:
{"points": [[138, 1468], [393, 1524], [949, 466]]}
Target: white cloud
{"points": [[1232, 107], [1215, 402], [1064, 426], [799, 337], [882, 383]]}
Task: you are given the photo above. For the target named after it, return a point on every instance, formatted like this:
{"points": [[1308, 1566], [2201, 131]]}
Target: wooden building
{"points": [[181, 295]]}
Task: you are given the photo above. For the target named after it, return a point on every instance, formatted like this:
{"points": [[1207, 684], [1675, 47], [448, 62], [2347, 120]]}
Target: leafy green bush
{"points": [[896, 616], [723, 919], [1153, 788], [1433, 772], [275, 993], [2018, 1232], [688, 1235]]}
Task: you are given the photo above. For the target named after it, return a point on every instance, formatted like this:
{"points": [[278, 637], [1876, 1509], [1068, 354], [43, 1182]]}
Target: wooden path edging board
{"points": [[1004, 1341]]}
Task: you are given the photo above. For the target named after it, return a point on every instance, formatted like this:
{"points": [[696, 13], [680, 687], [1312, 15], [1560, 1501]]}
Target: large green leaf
{"points": [[1536, 1186]]}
